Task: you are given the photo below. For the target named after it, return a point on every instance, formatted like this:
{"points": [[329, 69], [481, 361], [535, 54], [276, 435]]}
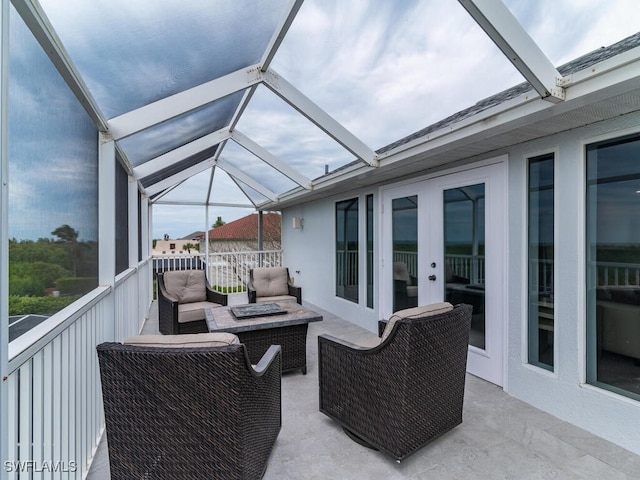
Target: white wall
{"points": [[564, 392], [310, 255], [309, 252]]}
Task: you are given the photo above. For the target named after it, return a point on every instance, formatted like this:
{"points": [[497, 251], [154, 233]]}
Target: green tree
{"points": [[69, 236], [219, 223], [189, 246]]}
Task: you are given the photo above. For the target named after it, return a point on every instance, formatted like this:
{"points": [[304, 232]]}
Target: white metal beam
{"points": [[267, 157], [319, 117], [178, 177], [516, 44], [246, 179], [180, 153], [280, 33], [183, 102], [211, 204], [35, 18]]}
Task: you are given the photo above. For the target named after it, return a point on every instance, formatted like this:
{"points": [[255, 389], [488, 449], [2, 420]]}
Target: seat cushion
{"points": [[186, 285], [416, 312], [270, 282], [181, 341], [193, 312], [277, 298]]}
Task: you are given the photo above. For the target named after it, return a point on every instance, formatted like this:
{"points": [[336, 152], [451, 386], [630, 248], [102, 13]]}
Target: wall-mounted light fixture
{"points": [[298, 222]]}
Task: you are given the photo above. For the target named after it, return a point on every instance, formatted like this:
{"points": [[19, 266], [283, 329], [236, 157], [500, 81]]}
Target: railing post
{"points": [[260, 234]]}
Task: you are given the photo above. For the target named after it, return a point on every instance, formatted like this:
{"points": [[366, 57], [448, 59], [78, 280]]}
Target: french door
{"points": [[443, 240]]}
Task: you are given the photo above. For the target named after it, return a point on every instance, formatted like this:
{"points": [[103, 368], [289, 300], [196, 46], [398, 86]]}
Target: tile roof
{"points": [[246, 228]]}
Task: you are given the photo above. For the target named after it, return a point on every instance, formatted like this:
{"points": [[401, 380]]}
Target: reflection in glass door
{"points": [[464, 253], [405, 252]]}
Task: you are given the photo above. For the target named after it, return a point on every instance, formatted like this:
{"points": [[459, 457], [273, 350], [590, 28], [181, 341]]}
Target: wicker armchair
{"points": [[189, 413], [182, 297], [403, 393], [272, 284]]}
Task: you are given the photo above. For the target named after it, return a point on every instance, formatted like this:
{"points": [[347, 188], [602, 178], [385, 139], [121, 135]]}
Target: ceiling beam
{"points": [[180, 153], [516, 44], [234, 173], [37, 21], [183, 102], [178, 177], [319, 117], [279, 34], [267, 157]]}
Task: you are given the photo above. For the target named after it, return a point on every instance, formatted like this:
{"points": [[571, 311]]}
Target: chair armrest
{"points": [[296, 292], [217, 297], [382, 325], [272, 356], [167, 312], [251, 292]]}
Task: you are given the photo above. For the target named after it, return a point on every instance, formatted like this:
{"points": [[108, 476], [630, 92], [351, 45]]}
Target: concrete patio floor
{"points": [[500, 437]]}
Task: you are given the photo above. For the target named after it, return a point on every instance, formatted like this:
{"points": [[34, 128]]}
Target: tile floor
{"points": [[500, 437]]}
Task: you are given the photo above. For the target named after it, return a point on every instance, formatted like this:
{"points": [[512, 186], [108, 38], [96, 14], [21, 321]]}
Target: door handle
{"points": [[432, 278]]}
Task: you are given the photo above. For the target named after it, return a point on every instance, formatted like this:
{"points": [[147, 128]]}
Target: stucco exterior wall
{"points": [[310, 255]]}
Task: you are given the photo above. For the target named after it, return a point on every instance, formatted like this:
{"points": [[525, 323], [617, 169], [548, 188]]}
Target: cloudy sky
{"points": [[384, 69], [388, 69]]}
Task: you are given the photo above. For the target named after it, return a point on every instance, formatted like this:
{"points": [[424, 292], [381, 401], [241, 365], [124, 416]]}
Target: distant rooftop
{"points": [[246, 228]]}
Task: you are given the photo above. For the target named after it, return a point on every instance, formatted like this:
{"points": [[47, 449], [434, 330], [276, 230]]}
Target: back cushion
{"points": [[190, 340], [186, 286], [416, 312], [270, 282]]}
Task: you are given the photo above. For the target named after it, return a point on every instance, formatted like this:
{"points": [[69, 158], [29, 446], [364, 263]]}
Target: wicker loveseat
{"points": [[272, 284], [182, 297], [176, 408], [403, 393]]}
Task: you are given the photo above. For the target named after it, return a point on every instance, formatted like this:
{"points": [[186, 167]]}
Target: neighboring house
{"points": [[242, 235], [189, 244], [173, 247], [526, 209]]}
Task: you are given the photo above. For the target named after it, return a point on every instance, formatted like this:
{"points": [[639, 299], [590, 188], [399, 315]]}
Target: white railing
{"points": [[230, 270], [54, 398], [410, 259], [467, 266], [618, 274], [226, 271]]}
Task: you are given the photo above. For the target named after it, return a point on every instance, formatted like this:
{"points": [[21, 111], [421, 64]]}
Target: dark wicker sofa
{"points": [[190, 412], [403, 393]]}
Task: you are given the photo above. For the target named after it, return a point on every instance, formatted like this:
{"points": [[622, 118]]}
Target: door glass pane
{"points": [[347, 249], [541, 248], [613, 266], [405, 252], [464, 234]]}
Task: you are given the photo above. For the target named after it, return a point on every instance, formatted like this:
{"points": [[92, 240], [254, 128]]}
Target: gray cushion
{"points": [[193, 312], [181, 341], [416, 312], [186, 285], [277, 298], [270, 282], [400, 272]]}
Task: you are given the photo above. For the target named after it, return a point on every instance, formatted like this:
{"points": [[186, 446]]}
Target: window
{"points": [[53, 187], [370, 267], [347, 249], [613, 265], [541, 261]]}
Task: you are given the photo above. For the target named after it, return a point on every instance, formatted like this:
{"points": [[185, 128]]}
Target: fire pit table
{"points": [[260, 325]]}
